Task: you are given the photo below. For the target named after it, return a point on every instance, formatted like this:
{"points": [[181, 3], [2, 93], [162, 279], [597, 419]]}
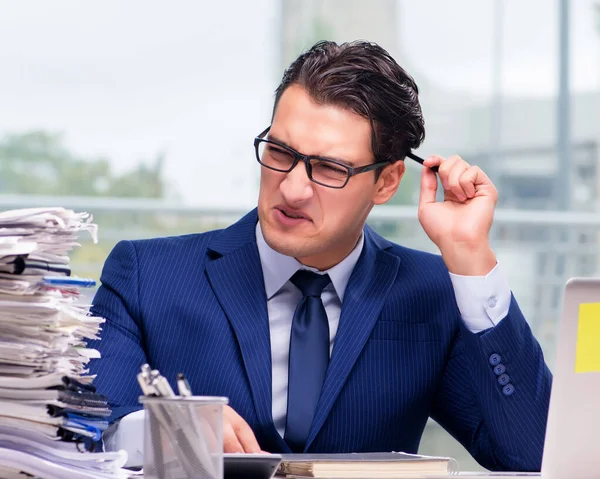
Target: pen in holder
{"points": [[183, 435]]}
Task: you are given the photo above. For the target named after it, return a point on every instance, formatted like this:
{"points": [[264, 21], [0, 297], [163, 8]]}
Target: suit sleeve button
{"points": [[495, 359], [508, 389]]}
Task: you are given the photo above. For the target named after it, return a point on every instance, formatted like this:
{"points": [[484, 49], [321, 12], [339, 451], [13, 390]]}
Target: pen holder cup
{"points": [[183, 437]]}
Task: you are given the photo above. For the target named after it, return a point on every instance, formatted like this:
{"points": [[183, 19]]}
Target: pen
{"points": [[64, 281], [183, 386], [147, 389], [163, 387], [418, 159]]}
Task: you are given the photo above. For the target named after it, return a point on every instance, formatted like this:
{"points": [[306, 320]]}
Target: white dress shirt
{"points": [[482, 300]]}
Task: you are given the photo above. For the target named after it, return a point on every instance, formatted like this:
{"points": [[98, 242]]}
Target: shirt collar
{"points": [[279, 268]]}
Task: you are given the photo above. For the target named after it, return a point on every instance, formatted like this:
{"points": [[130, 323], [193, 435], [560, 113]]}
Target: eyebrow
{"points": [[338, 160]]}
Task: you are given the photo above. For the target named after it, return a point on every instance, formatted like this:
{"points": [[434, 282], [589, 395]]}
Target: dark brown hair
{"points": [[362, 77]]}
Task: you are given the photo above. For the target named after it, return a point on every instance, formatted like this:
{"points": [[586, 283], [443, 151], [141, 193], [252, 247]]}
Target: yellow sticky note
{"points": [[587, 359]]}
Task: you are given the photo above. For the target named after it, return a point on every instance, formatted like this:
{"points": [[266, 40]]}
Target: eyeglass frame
{"points": [[352, 171]]}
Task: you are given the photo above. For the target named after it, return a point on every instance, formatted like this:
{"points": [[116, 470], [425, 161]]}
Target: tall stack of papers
{"points": [[51, 417]]}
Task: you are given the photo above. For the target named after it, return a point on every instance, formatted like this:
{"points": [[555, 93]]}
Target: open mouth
{"points": [[290, 215], [294, 215]]}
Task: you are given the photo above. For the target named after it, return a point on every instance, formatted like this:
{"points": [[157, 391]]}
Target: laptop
{"points": [[571, 448]]}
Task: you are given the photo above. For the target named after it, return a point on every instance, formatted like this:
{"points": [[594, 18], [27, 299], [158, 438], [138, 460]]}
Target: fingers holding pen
{"points": [[461, 181]]}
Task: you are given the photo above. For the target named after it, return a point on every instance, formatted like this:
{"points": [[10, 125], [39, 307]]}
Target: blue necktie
{"points": [[309, 357]]}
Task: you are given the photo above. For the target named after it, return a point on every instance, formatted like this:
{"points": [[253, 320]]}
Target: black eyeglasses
{"points": [[323, 171]]}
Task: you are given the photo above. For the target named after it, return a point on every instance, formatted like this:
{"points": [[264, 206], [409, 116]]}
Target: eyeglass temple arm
{"points": [[420, 160]]}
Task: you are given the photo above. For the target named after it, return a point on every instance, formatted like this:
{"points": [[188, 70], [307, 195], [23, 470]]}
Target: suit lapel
{"points": [[235, 275], [365, 295]]}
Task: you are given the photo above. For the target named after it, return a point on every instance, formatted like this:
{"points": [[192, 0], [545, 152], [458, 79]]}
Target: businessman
{"points": [[325, 336]]}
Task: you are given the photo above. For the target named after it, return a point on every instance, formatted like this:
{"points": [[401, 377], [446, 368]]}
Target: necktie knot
{"points": [[309, 283]]}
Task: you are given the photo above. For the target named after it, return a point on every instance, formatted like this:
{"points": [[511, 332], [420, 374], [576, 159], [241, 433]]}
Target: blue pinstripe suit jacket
{"points": [[197, 304]]}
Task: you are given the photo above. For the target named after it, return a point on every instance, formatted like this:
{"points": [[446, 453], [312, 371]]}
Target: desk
{"points": [[131, 436], [488, 475]]}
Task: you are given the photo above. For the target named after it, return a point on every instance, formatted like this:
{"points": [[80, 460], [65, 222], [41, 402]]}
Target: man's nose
{"points": [[297, 187]]}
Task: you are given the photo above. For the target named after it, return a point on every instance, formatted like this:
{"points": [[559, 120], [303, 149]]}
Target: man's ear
{"points": [[388, 182]]}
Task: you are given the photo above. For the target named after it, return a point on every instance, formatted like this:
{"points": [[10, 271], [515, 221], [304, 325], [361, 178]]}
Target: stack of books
{"points": [[380, 465], [51, 417]]}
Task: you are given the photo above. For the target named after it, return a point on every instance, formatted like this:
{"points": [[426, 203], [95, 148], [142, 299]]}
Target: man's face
{"points": [[318, 225]]}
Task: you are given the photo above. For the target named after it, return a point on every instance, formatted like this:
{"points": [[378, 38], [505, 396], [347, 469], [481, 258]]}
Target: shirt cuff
{"points": [[483, 301], [129, 436]]}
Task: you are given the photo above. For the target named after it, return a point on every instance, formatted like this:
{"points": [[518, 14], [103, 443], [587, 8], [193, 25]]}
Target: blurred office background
{"points": [[143, 113]]}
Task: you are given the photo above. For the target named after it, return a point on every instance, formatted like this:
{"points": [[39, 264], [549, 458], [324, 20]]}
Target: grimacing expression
{"points": [[318, 225]]}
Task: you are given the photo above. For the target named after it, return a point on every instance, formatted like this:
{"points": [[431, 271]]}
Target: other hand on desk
{"points": [[237, 435]]}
